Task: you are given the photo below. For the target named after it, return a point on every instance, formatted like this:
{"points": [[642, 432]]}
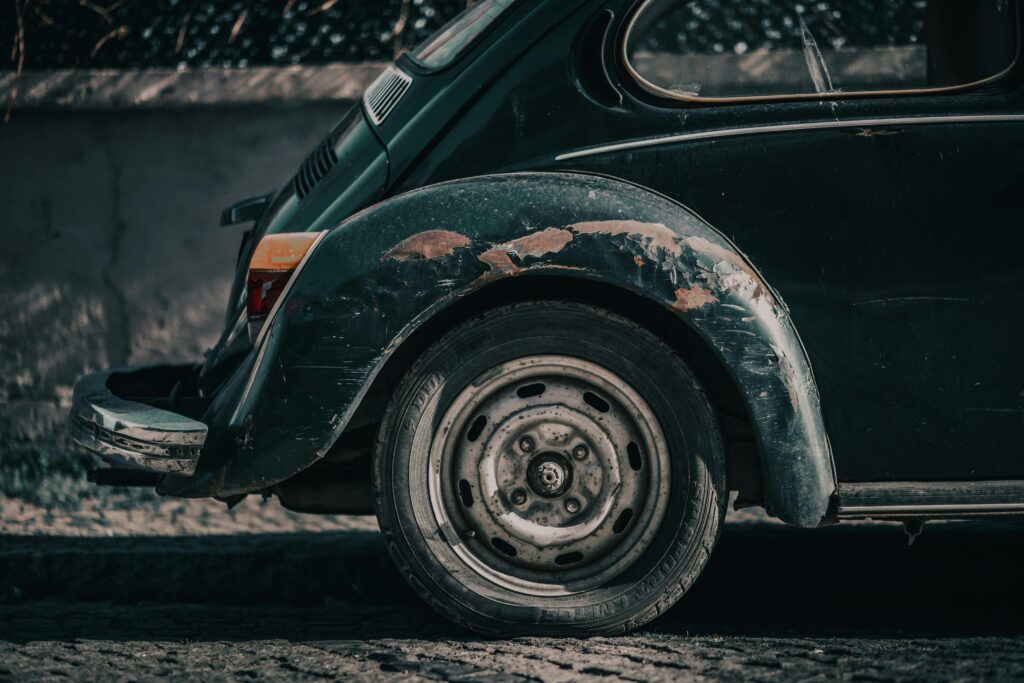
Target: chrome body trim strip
{"points": [[788, 128], [893, 499], [858, 511]]}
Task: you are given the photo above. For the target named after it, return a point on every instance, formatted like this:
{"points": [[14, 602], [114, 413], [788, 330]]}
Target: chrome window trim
{"points": [[787, 128], [666, 93]]}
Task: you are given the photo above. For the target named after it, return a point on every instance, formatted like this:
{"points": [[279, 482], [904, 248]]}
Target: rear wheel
{"points": [[549, 468]]}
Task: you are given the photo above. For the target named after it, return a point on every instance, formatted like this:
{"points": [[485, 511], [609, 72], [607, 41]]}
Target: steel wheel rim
{"points": [[548, 475]]}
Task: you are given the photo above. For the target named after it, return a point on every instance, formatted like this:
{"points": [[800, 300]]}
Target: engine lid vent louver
{"points": [[384, 93], [314, 168]]}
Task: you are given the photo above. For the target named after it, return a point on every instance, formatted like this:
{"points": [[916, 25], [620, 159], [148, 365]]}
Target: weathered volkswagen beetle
{"points": [[575, 270]]}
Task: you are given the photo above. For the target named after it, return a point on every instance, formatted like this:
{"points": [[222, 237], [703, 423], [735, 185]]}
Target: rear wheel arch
{"points": [[395, 267], [743, 458]]}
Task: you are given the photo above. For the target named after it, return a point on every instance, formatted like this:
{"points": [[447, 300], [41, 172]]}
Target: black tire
{"points": [[691, 511]]}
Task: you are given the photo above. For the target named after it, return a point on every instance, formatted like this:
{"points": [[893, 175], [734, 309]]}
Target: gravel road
{"points": [[269, 595]]}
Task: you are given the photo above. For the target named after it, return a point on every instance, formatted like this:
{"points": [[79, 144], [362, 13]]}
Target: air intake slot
{"points": [[384, 93], [314, 168]]}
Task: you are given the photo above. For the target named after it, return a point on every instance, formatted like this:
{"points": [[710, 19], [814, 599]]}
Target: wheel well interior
{"points": [[744, 474]]}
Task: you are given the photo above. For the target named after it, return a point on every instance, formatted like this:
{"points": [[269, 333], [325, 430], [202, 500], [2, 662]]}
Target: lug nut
{"points": [[518, 497], [580, 452], [526, 444], [572, 506]]}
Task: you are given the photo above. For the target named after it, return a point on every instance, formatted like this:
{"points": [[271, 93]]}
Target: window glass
{"points": [[769, 48], [443, 47]]}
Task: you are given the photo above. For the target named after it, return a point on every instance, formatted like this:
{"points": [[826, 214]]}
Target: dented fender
{"points": [[381, 274]]}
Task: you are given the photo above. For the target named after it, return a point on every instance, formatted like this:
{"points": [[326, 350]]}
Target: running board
{"points": [[930, 499]]}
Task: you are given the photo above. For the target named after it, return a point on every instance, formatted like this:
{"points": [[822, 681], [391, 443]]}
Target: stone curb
{"points": [[848, 571], [294, 568]]}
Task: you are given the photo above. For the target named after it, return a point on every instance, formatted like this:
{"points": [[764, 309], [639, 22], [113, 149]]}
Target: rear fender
{"points": [[381, 274]]}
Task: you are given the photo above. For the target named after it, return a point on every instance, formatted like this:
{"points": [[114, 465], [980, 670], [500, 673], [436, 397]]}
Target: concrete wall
{"points": [[111, 249]]}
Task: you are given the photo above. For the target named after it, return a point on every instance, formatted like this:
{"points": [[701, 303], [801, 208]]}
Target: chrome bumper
{"points": [[127, 432]]}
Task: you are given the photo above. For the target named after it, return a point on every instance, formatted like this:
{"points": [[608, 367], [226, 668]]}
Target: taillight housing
{"points": [[274, 262]]}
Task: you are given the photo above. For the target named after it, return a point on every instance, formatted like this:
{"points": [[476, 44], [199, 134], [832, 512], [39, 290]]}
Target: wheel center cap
{"points": [[549, 475]]}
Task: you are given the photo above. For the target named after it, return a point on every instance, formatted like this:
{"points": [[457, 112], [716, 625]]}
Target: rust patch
{"points": [[498, 260], [430, 244], [638, 261], [540, 243], [656, 234], [693, 297]]}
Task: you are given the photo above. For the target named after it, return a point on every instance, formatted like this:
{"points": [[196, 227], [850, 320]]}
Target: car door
{"points": [[889, 222], [895, 249]]}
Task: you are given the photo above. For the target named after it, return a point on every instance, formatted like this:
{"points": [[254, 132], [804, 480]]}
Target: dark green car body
{"points": [[848, 271]]}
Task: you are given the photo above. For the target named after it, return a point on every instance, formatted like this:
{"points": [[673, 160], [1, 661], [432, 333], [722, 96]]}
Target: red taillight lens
{"points": [[273, 263], [264, 288]]}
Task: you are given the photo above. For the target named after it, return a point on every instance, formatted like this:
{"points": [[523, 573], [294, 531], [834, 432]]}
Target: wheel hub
{"points": [[549, 475], [553, 473]]}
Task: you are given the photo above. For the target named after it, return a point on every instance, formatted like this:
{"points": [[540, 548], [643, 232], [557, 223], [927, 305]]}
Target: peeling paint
{"points": [[540, 243], [430, 244], [750, 286], [693, 297], [537, 244], [717, 253], [654, 235], [498, 260]]}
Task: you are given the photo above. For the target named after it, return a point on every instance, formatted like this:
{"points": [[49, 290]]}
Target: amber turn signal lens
{"points": [[273, 263]]}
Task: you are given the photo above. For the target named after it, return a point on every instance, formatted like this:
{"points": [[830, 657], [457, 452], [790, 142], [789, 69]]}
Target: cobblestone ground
{"points": [[406, 642], [269, 595]]}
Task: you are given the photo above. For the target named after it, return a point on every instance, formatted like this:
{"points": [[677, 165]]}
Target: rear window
{"points": [[739, 49], [441, 49]]}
